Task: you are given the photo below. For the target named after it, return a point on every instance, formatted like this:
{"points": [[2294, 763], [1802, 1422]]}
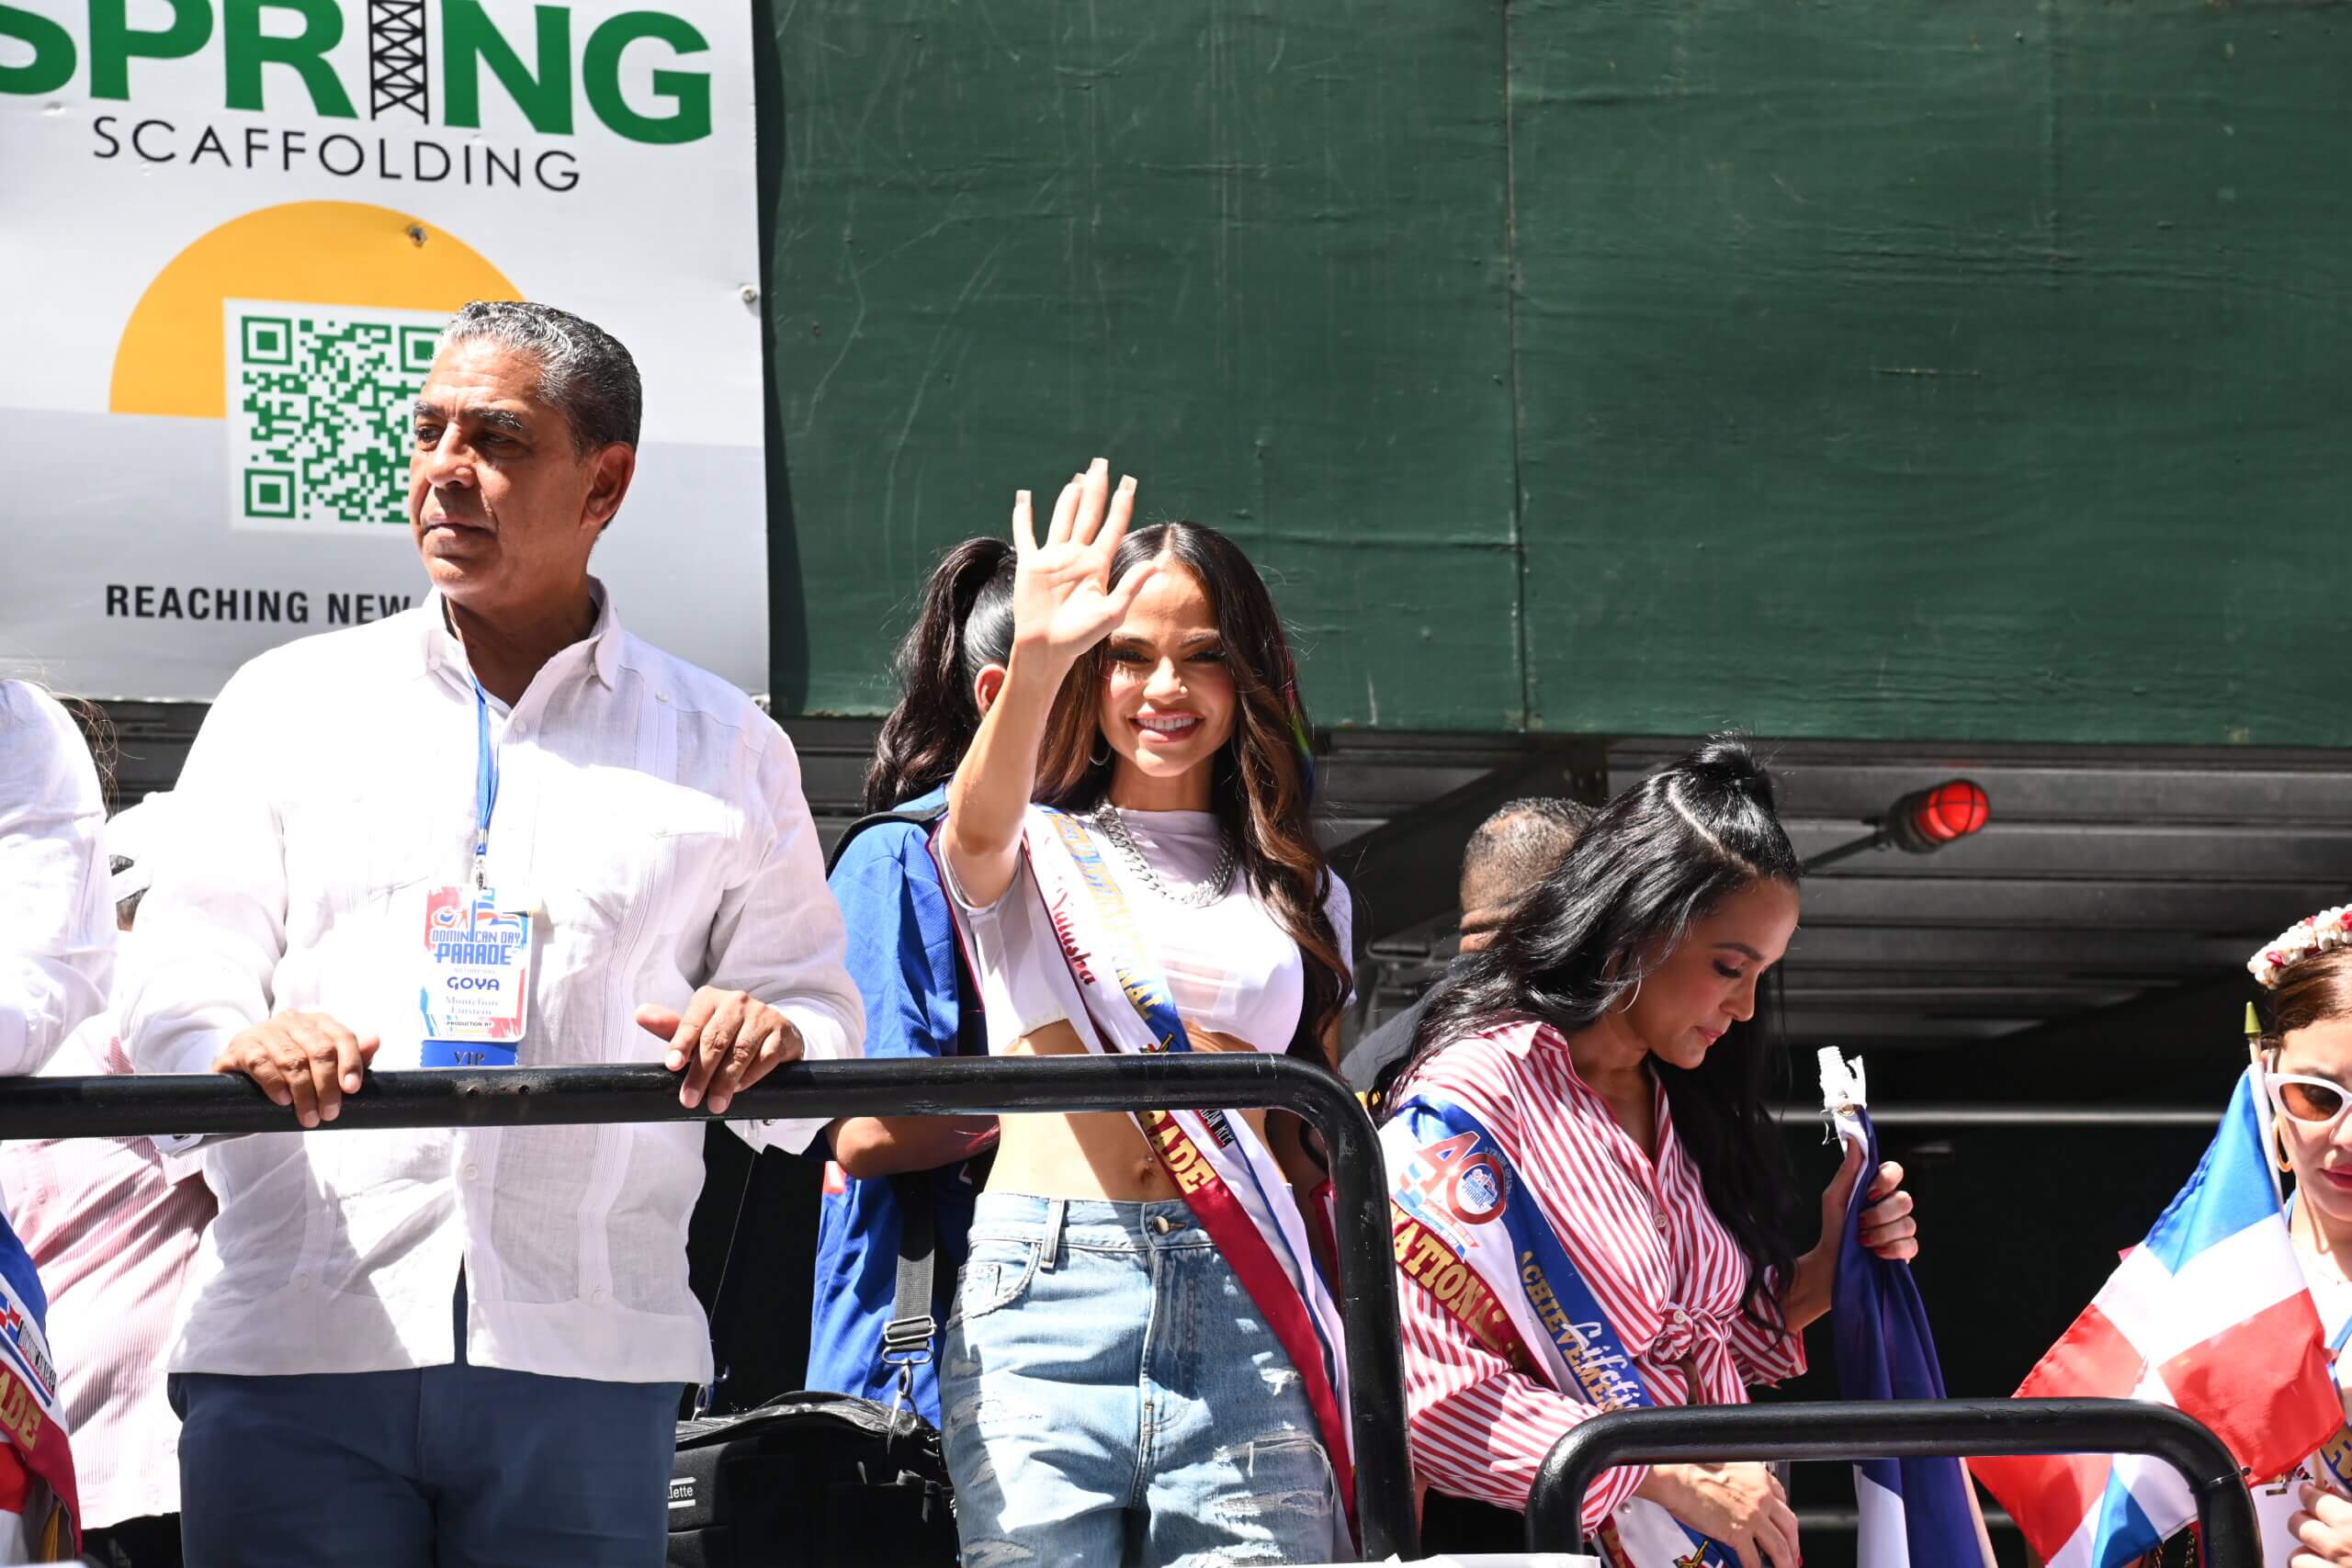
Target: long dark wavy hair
{"points": [[964, 625], [1660, 856], [1262, 785]]}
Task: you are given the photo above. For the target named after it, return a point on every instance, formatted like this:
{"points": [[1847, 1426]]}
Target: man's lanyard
{"points": [[485, 785], [474, 985]]}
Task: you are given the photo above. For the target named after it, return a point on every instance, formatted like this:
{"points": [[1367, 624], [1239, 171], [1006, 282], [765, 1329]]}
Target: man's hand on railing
{"points": [[725, 1040], [306, 1060]]}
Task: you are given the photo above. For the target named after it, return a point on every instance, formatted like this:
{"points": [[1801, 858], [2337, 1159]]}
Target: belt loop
{"points": [[1052, 1242]]}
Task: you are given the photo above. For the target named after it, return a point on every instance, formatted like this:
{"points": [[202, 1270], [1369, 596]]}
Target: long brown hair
{"points": [[2314, 988], [1261, 783]]}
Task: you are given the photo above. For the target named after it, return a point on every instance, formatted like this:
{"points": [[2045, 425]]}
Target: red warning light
{"points": [[1928, 820]]}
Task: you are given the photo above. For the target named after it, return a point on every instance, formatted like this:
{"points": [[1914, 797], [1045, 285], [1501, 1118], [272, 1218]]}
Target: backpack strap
{"points": [[924, 817], [914, 1323], [907, 1338], [971, 1023], [912, 1312]]}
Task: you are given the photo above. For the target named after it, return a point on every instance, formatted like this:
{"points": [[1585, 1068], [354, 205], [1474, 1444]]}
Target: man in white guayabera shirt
{"points": [[495, 828]]}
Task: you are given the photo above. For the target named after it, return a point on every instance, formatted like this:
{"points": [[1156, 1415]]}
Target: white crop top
{"points": [[1231, 969]]}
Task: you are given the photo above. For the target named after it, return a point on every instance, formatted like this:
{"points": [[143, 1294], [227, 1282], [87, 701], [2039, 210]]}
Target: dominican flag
{"points": [[1916, 1513], [2211, 1316]]}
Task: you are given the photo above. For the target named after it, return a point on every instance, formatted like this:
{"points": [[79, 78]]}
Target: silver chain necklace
{"points": [[1106, 819]]}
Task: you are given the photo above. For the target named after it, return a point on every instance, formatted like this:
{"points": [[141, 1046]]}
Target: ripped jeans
{"points": [[1111, 1397]]}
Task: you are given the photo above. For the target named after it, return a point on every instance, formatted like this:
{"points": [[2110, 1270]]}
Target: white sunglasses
{"points": [[2315, 1104]]}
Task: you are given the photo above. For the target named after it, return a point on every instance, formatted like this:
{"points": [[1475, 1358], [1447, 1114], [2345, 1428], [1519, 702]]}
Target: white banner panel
{"points": [[229, 233]]}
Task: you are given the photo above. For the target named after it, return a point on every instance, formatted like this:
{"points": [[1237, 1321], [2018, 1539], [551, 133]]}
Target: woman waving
{"points": [[1143, 1362]]}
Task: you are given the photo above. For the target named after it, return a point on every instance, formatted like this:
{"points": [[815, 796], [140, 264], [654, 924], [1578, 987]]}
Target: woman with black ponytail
{"points": [[919, 1003], [1592, 1202], [950, 666]]}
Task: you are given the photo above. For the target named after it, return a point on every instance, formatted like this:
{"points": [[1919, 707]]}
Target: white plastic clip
{"points": [[1844, 1092]]}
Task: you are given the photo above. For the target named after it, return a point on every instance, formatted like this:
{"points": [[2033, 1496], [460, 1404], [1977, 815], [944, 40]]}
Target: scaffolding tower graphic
{"points": [[396, 59]]}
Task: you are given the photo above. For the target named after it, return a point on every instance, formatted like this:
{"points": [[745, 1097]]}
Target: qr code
{"points": [[319, 406]]}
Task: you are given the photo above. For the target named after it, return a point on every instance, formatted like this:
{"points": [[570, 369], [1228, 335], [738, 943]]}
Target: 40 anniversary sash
{"points": [[1224, 1170], [30, 1419], [1470, 1234]]}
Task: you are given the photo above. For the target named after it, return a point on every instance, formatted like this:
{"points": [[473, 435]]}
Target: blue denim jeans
{"points": [[1111, 1397]]}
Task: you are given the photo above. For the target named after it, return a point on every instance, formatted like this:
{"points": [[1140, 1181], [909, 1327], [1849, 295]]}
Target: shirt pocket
{"points": [[639, 857]]}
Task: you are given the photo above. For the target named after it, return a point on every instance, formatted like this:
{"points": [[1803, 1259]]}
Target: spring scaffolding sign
{"points": [[250, 216]]}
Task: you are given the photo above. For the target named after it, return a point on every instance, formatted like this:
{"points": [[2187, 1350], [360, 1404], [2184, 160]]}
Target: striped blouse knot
{"points": [[1681, 1332]]}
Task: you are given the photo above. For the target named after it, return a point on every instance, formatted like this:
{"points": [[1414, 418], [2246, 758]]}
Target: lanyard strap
{"points": [[485, 784]]}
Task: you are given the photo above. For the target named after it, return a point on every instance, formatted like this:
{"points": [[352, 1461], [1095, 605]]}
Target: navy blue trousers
{"points": [[444, 1467]]}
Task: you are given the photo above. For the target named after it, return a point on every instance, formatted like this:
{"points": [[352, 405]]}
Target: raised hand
{"points": [[1063, 600]]}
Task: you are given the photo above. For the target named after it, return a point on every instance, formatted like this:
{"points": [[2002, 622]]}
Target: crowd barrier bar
{"points": [[1987, 1113], [516, 1097], [1895, 1428]]}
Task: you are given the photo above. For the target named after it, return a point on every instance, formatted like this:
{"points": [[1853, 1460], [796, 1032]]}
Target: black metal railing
{"points": [[2005, 1114], [511, 1097], [1895, 1428]]}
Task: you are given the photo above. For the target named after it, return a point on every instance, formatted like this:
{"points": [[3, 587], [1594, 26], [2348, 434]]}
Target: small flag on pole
{"points": [[2211, 1316], [1916, 1513]]}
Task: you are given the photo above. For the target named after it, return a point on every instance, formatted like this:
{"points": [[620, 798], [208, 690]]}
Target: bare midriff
{"points": [[1094, 1156]]}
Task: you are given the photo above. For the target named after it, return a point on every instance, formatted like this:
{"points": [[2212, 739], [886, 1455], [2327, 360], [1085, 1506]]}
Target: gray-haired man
{"points": [[496, 828]]}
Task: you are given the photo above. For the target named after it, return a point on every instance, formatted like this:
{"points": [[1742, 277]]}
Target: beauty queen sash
{"points": [[1219, 1164], [30, 1419], [1470, 1234]]}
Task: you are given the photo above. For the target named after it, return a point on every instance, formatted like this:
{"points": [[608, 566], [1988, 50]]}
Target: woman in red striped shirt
{"points": [[1584, 1106]]}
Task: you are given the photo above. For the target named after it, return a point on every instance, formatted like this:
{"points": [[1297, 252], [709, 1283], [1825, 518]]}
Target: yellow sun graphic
{"points": [[309, 253]]}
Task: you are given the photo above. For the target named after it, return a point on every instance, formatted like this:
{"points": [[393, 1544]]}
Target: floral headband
{"points": [[2314, 933]]}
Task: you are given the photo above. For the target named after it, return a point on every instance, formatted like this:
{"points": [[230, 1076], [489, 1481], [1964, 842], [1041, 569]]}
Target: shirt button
{"points": [[1660, 1218], [472, 1171], [597, 1293], [301, 1281]]}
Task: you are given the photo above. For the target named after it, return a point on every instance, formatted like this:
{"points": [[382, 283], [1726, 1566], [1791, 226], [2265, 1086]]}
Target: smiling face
{"points": [[2321, 1153], [1708, 983], [502, 506], [1168, 698]]}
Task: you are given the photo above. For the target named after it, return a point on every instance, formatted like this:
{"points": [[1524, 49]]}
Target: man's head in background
{"points": [[1510, 853]]}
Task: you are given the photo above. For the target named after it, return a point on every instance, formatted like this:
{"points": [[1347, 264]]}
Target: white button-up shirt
{"points": [[56, 916], [651, 814]]}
